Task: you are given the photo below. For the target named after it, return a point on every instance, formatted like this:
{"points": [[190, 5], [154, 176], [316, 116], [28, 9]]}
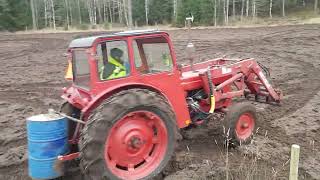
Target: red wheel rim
{"points": [[136, 145], [245, 126]]}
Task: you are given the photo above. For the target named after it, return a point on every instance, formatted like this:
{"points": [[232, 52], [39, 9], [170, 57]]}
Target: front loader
{"points": [[127, 127]]}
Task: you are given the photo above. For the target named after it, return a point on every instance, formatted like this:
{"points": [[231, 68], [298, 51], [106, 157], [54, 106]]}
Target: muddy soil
{"points": [[31, 79]]}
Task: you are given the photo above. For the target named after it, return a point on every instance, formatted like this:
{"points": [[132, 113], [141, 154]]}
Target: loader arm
{"points": [[225, 79], [258, 83], [250, 73]]}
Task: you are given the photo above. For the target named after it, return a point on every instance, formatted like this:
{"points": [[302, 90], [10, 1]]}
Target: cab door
{"points": [[153, 60]]}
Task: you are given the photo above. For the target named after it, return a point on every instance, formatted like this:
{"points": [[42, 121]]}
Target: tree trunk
{"points": [[99, 11], [227, 12], [130, 13], [49, 10], [125, 12], [233, 8], [215, 12], [242, 9], [270, 9], [79, 12], [247, 8], [70, 13], [36, 5], [104, 12], [110, 12], [120, 13], [146, 5], [67, 13], [34, 24], [224, 12], [175, 12], [253, 8], [95, 12], [283, 8], [90, 12], [113, 10], [53, 15], [45, 14], [316, 9]]}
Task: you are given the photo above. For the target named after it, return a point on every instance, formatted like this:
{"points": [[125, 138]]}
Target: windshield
{"points": [[81, 69], [152, 55]]}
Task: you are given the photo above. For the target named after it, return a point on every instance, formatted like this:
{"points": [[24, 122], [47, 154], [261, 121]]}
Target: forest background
{"points": [[107, 14]]}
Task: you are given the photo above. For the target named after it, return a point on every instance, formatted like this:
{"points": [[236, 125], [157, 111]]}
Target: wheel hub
{"points": [[245, 126], [136, 145]]}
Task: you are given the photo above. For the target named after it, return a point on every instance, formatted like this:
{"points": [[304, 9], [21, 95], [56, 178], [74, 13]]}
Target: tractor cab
{"points": [[106, 63]]}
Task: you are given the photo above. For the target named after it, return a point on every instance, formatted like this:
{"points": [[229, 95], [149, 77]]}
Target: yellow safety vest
{"points": [[167, 60], [119, 71]]}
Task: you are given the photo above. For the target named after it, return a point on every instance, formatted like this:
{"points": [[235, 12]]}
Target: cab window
{"points": [[113, 60], [81, 70], [152, 55]]}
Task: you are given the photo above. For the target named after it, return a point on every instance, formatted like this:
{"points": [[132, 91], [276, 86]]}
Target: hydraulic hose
{"points": [[212, 98], [264, 68]]}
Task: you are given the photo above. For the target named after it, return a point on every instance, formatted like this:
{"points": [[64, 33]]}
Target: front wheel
{"points": [[240, 123], [130, 136]]}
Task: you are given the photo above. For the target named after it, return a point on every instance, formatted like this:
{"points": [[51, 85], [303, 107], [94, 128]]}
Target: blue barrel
{"points": [[47, 139]]}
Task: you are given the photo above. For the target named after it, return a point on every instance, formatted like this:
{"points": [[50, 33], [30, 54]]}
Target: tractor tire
{"points": [[131, 135], [240, 123]]}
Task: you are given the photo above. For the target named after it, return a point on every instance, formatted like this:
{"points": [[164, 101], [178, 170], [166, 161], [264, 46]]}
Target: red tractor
{"points": [[129, 98]]}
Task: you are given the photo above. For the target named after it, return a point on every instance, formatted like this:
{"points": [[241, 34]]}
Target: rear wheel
{"points": [[240, 122], [130, 136]]}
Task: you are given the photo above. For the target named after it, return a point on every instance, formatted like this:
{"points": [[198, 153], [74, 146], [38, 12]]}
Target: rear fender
{"points": [[97, 100]]}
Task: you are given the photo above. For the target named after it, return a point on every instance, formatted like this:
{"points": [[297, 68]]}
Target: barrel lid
{"points": [[45, 117]]}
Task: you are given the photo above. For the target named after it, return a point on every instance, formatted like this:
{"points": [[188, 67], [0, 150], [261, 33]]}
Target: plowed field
{"points": [[32, 75]]}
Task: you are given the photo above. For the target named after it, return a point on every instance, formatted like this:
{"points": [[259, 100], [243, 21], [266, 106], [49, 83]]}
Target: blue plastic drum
{"points": [[47, 139]]}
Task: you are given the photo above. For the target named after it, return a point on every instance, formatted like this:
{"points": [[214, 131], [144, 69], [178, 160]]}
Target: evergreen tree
{"points": [[13, 15], [138, 12], [160, 11]]}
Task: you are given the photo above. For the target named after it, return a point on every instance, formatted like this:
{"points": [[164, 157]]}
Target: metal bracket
{"points": [[69, 117]]}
